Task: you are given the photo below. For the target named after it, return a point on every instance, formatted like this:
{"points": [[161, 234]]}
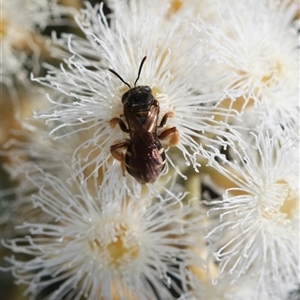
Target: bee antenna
{"points": [[115, 73], [140, 69]]}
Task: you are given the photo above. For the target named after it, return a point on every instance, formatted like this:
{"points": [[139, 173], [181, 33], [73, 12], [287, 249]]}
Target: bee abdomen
{"points": [[145, 166]]}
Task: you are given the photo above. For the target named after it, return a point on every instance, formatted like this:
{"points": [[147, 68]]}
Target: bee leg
{"points": [[113, 122], [164, 119], [171, 134], [117, 151]]}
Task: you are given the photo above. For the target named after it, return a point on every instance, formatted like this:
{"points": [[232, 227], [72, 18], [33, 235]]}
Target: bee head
{"points": [[139, 98]]}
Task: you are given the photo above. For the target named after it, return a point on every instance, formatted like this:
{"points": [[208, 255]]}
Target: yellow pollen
{"points": [[277, 69], [155, 91], [3, 27], [289, 203], [175, 6], [117, 250], [266, 78], [124, 89]]}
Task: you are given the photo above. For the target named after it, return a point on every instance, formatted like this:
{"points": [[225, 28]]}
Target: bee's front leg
{"points": [[114, 121], [118, 152], [164, 119]]}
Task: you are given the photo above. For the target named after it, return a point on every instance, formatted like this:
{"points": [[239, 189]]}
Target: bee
{"points": [[145, 156]]}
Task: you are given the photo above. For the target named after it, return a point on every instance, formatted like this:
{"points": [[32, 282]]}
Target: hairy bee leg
{"points": [[113, 122], [171, 134], [164, 119], [117, 151]]}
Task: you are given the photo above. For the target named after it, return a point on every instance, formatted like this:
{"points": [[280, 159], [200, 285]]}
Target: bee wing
{"points": [[151, 122], [136, 125], [145, 157]]}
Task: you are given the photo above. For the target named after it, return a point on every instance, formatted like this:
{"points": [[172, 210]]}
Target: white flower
{"points": [[31, 151], [172, 70], [103, 246], [257, 234], [205, 282], [223, 290], [21, 42], [27, 152], [255, 49], [204, 287]]}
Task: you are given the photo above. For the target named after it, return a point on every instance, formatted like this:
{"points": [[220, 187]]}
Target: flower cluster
{"points": [[157, 155], [21, 41]]}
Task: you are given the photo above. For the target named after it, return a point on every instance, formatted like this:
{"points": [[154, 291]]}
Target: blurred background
{"points": [[24, 50]]}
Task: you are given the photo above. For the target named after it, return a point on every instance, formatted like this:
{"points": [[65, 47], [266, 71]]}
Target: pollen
{"points": [[279, 200], [118, 251], [124, 89], [3, 27], [276, 71], [289, 205], [175, 6], [156, 91]]}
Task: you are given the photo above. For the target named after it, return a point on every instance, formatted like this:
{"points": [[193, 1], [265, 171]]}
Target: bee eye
{"points": [[148, 88], [124, 97]]}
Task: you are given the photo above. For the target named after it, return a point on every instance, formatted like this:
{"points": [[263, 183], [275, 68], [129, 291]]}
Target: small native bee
{"points": [[145, 157]]}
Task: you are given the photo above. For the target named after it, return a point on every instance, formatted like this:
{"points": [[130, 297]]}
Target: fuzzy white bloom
{"points": [[21, 23], [257, 234], [206, 288], [256, 49], [172, 70], [83, 229], [206, 283], [24, 154], [103, 246], [222, 290], [31, 151]]}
